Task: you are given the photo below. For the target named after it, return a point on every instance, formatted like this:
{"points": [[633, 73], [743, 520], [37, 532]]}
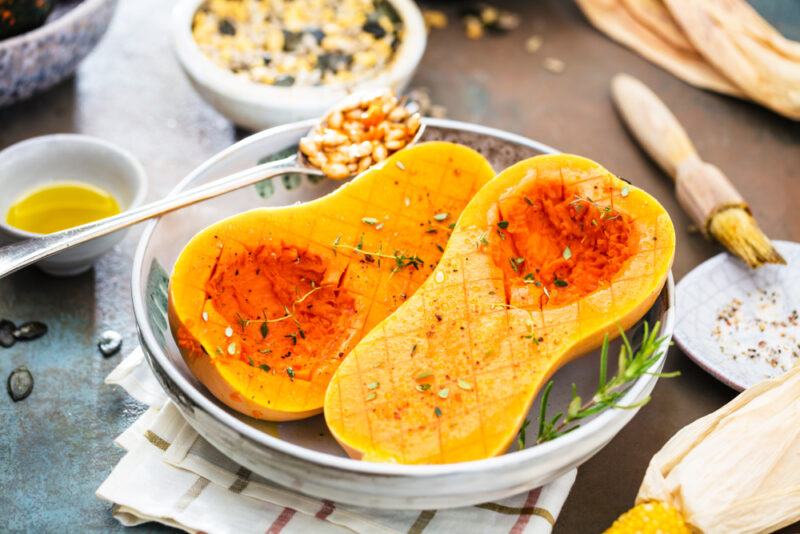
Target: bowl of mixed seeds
{"points": [[267, 62]]}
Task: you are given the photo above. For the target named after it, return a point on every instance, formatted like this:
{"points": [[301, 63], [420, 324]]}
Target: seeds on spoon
{"points": [[351, 138]]}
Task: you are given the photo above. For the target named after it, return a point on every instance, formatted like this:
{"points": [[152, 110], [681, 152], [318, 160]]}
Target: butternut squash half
{"points": [[264, 305], [548, 257]]}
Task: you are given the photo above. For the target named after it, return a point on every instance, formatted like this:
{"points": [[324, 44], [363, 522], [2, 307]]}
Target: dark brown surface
{"points": [[131, 92]]}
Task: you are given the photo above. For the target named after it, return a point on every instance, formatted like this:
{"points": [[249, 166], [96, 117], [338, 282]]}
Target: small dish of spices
{"points": [[741, 325], [56, 182], [267, 62]]}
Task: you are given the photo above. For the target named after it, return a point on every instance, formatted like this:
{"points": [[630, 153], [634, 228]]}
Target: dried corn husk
{"points": [[655, 16], [612, 18], [737, 469], [745, 48]]}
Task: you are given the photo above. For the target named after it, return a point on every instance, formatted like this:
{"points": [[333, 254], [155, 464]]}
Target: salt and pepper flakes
{"points": [[760, 329], [299, 43]]}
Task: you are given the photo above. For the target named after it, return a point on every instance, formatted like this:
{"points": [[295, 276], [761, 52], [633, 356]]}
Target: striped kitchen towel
{"points": [[173, 476]]}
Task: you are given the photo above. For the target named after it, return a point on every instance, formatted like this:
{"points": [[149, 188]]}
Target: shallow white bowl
{"points": [[258, 106], [302, 455], [76, 158]]}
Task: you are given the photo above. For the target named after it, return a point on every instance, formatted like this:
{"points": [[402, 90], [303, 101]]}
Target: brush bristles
{"points": [[738, 232]]}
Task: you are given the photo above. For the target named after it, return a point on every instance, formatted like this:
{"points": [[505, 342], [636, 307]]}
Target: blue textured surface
{"points": [[56, 446]]}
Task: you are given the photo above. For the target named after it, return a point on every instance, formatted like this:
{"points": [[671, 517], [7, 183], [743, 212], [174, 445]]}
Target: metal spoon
{"points": [[23, 253]]}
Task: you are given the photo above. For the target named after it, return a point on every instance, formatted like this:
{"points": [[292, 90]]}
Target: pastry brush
{"points": [[703, 190]]}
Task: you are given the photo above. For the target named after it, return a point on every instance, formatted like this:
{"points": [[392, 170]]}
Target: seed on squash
{"points": [[7, 329], [30, 330], [109, 343], [20, 384]]}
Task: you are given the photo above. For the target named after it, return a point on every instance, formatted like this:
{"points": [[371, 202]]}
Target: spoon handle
{"points": [[18, 255]]}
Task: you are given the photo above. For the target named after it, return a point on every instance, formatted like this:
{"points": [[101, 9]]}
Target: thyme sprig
{"points": [[401, 260], [633, 364]]}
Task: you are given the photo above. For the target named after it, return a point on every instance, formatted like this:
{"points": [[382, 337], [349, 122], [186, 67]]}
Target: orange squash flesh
{"points": [[546, 259], [264, 305]]}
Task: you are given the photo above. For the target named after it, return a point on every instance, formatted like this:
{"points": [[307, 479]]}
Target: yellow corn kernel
{"points": [[650, 518]]}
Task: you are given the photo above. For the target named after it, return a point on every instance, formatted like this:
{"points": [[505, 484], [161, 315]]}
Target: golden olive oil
{"points": [[59, 206]]}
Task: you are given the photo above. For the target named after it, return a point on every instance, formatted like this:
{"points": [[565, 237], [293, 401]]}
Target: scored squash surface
{"points": [[264, 305], [548, 257]]}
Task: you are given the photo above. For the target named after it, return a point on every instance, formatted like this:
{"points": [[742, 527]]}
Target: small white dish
{"points": [[69, 157], [258, 106], [739, 324]]}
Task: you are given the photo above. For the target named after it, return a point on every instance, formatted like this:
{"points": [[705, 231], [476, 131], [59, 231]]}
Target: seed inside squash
{"points": [[559, 241], [287, 289]]}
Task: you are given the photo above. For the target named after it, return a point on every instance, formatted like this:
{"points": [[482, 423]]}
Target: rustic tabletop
{"points": [[56, 446]]}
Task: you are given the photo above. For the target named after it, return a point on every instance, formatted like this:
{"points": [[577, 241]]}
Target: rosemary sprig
{"points": [[632, 365]]}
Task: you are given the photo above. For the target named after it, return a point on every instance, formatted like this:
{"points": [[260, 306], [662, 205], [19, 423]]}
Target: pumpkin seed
{"points": [[7, 329], [20, 383], [109, 343], [30, 330]]}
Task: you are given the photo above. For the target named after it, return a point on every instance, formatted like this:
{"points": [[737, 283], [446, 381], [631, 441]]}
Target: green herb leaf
{"points": [[290, 372], [264, 367], [437, 411], [521, 434], [502, 225], [371, 396], [632, 365], [373, 385], [567, 254], [441, 216], [423, 387], [424, 374], [369, 220], [264, 330], [463, 384], [560, 283], [443, 393]]}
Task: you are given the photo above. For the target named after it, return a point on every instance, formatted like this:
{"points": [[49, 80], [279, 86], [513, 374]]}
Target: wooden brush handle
{"points": [[652, 123], [702, 188]]}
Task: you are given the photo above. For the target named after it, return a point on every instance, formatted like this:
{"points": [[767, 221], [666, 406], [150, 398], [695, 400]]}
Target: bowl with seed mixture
{"points": [[267, 62]]}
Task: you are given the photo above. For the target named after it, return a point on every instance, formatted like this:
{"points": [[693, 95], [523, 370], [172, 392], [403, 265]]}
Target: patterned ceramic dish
{"points": [[303, 455], [258, 106], [741, 325], [37, 60]]}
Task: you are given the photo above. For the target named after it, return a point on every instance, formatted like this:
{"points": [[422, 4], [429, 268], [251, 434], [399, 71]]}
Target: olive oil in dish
{"points": [[61, 205]]}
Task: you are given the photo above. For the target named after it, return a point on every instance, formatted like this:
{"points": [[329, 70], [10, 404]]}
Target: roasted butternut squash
{"points": [[264, 305], [548, 257]]}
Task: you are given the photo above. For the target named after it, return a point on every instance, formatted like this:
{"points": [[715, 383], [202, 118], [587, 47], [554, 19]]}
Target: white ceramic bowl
{"points": [[258, 106], [302, 455], [69, 157]]}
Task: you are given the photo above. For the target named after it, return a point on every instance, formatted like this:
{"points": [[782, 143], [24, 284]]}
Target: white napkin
{"points": [[173, 476]]}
